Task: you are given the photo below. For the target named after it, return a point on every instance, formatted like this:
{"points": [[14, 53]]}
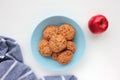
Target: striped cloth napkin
{"points": [[12, 66], [11, 62], [59, 77]]}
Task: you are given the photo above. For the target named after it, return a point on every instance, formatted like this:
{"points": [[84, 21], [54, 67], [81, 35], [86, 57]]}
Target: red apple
{"points": [[98, 24]]}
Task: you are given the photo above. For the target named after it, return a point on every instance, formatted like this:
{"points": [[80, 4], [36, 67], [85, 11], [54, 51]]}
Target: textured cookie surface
{"points": [[57, 43], [67, 31], [65, 57], [50, 31], [44, 48], [71, 46], [55, 56]]}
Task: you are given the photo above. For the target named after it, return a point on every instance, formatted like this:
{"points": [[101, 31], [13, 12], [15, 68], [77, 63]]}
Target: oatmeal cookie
{"points": [[65, 57], [44, 48], [55, 55], [67, 31], [49, 31], [57, 43], [71, 46]]}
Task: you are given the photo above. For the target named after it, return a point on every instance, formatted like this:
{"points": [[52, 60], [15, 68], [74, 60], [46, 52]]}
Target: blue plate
{"points": [[48, 62]]}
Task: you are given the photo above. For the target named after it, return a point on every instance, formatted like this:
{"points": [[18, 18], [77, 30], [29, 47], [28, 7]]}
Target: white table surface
{"points": [[101, 60]]}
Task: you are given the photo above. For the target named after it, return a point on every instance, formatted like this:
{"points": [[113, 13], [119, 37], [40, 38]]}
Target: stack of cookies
{"points": [[57, 42]]}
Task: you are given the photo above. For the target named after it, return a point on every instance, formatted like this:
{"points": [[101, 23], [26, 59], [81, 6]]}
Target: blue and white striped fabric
{"points": [[59, 77], [12, 66], [11, 62]]}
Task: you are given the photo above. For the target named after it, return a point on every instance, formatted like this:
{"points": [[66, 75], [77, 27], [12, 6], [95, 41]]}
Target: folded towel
{"points": [[12, 66], [11, 62]]}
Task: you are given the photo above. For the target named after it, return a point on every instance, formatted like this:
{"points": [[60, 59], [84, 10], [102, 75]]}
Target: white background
{"points": [[101, 60]]}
